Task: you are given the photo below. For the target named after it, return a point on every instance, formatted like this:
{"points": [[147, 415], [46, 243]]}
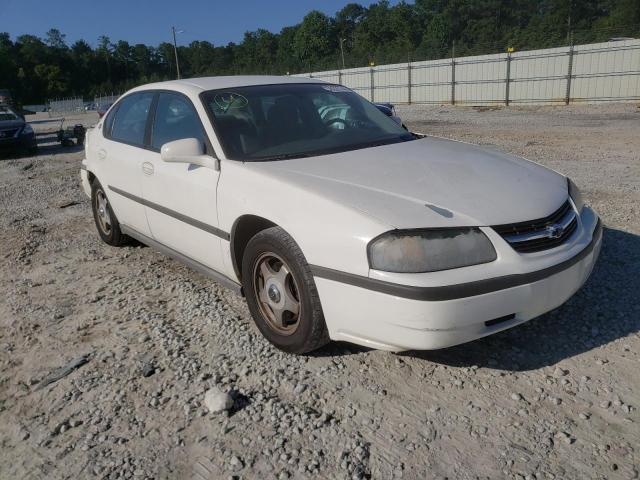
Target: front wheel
{"points": [[281, 293]]}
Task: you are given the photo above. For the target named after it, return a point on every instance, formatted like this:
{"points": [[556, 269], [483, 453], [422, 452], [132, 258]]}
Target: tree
{"points": [[52, 79], [55, 39], [435, 41], [35, 68], [315, 38], [104, 51]]}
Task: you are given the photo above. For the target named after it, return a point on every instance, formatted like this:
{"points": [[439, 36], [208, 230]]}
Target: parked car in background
{"points": [[5, 97], [390, 111], [16, 135], [365, 233], [103, 108]]}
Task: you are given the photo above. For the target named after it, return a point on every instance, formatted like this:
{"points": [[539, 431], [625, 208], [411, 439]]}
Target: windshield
{"points": [[8, 114], [271, 122]]}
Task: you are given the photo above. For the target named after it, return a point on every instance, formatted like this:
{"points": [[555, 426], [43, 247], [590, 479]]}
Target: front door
{"points": [[180, 198]]}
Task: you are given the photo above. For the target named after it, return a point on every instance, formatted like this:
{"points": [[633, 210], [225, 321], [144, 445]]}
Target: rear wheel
{"points": [[106, 221], [282, 294]]}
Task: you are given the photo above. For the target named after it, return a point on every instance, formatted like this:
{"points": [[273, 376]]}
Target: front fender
{"points": [[329, 234]]}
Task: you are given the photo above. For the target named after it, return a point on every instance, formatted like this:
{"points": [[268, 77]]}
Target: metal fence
{"points": [[104, 100], [596, 72], [65, 106]]}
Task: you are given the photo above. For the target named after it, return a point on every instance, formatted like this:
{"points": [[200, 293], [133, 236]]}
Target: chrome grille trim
{"points": [[541, 234], [564, 223]]}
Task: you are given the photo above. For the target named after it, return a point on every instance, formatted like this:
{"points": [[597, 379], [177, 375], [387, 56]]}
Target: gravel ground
{"points": [[106, 354]]}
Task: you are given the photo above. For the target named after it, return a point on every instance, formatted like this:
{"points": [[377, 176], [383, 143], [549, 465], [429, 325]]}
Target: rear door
{"points": [[181, 197], [121, 156]]}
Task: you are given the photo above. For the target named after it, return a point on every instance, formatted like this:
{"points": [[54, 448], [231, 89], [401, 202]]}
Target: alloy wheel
{"points": [[277, 293]]}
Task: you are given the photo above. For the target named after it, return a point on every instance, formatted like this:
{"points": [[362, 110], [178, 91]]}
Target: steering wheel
{"points": [[336, 120]]}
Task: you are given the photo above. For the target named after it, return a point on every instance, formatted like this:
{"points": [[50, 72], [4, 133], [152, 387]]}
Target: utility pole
{"points": [[342, 51], [175, 50]]}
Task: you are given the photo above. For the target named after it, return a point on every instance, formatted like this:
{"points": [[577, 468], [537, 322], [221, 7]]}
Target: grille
{"points": [[542, 234], [8, 133]]}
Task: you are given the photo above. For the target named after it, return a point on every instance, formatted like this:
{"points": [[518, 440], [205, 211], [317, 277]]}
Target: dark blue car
{"points": [[16, 135]]}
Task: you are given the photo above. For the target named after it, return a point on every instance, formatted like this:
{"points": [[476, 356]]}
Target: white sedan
{"points": [[346, 228]]}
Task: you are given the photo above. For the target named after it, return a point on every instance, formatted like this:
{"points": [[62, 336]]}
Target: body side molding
{"points": [[460, 290], [172, 213]]}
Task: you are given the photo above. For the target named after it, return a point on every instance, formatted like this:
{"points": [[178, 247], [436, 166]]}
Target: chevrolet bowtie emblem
{"points": [[554, 231]]}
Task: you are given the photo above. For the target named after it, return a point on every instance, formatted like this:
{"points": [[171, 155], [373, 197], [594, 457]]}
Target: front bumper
{"points": [[385, 321], [21, 142], [84, 179]]}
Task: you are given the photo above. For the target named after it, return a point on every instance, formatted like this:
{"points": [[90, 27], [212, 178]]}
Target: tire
{"points": [[273, 259], [103, 215]]}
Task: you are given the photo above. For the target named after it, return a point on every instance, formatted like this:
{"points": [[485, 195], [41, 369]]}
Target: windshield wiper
{"points": [[284, 156], [380, 143], [343, 148]]}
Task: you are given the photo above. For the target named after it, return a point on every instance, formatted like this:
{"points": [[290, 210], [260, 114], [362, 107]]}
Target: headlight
{"points": [[27, 130], [417, 251], [576, 196]]}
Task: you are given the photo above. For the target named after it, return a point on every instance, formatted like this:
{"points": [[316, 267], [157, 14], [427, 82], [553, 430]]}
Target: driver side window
{"points": [[175, 119]]}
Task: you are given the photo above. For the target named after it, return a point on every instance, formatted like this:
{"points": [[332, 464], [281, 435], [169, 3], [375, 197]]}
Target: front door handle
{"points": [[102, 154], [147, 168]]}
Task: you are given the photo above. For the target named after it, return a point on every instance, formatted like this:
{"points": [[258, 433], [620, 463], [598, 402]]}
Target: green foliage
{"points": [[51, 79], [37, 69], [315, 38]]}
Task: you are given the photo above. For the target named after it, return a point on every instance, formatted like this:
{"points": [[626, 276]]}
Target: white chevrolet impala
{"points": [[332, 220]]}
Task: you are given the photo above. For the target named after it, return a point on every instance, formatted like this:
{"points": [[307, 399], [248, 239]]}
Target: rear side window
{"points": [[175, 119], [108, 122], [130, 118]]}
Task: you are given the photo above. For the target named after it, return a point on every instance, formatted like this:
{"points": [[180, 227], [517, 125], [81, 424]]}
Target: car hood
{"points": [[429, 182], [7, 124]]}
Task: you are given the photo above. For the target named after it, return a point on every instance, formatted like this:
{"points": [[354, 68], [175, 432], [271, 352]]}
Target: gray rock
{"points": [[236, 463], [559, 372], [217, 401], [148, 369]]}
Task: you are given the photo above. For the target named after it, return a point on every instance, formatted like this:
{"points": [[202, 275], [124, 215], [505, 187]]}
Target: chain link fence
{"points": [[65, 106], [105, 100], [75, 105]]}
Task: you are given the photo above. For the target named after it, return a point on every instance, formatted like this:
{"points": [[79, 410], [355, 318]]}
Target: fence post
{"points": [[372, 84], [339, 77], [506, 88], [409, 82], [567, 96], [453, 73]]}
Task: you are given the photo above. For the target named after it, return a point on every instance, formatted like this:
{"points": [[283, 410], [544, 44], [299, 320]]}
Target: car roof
{"points": [[201, 84]]}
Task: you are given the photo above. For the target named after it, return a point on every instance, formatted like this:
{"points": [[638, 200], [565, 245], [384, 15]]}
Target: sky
{"points": [[149, 22]]}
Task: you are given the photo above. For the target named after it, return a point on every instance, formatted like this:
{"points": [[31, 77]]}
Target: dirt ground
{"points": [[145, 338]]}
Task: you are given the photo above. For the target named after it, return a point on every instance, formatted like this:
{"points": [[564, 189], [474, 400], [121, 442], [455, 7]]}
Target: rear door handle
{"points": [[147, 168], [102, 154]]}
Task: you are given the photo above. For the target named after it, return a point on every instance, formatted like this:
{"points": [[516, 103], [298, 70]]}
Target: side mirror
{"points": [[188, 150]]}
